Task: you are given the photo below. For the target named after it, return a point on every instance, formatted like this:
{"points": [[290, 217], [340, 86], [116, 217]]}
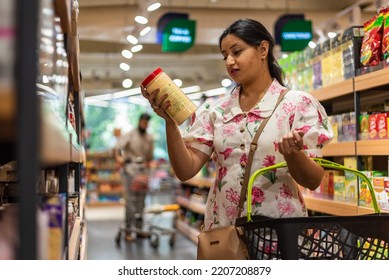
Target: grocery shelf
{"points": [[74, 241], [339, 149], [84, 239], [187, 230], [333, 91], [373, 147], [191, 205], [332, 207], [55, 145], [372, 79]]}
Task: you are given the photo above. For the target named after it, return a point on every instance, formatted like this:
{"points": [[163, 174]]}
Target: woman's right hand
{"points": [[159, 104]]}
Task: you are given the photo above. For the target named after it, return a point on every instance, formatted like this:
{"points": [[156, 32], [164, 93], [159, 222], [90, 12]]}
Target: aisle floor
{"points": [[103, 224]]}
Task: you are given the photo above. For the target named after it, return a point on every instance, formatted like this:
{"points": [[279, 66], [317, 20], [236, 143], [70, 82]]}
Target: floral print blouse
{"points": [[221, 128]]}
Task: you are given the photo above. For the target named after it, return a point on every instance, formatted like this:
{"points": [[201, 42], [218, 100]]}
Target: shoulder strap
{"points": [[253, 148]]}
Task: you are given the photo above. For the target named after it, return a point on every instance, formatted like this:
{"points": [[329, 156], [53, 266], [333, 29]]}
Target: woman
{"points": [[225, 127]]}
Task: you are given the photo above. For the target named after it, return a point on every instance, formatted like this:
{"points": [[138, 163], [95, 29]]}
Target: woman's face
{"points": [[244, 62]]}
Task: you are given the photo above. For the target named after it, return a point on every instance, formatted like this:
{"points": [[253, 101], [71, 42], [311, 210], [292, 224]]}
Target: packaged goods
{"points": [[336, 59], [371, 48], [316, 67], [326, 63], [351, 45], [181, 106]]}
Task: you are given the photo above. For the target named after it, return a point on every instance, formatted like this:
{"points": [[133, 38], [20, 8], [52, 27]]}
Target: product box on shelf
{"points": [[351, 45], [350, 179], [381, 189], [316, 67], [364, 126], [348, 127], [364, 192], [339, 188], [336, 59], [55, 206], [326, 63]]}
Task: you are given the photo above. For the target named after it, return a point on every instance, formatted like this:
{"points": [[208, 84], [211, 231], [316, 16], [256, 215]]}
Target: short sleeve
{"points": [[311, 118], [199, 134]]}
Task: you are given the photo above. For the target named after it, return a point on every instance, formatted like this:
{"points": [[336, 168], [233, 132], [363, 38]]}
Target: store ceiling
{"points": [[103, 26]]}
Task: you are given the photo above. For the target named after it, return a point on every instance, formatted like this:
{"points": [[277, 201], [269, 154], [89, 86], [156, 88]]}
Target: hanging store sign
{"points": [[178, 35], [295, 35]]}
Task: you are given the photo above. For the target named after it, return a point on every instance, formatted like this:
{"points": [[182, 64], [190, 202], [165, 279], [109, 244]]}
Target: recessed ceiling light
{"points": [[127, 83], [136, 48], [141, 19], [154, 6], [132, 39], [124, 66], [127, 54]]}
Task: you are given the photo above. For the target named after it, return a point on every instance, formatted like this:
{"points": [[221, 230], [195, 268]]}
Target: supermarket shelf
{"points": [[333, 91], [191, 205], [373, 147], [55, 145], [84, 243], [74, 241], [82, 202], [332, 207], [339, 149], [200, 182], [372, 80], [187, 230]]}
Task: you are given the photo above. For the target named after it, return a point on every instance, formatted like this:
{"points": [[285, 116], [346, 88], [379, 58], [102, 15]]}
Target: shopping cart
{"points": [[321, 237], [154, 225]]}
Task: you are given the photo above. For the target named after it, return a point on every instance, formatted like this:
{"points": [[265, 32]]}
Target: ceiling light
{"points": [[226, 82], [141, 19], [145, 31], [312, 44], [154, 6], [178, 82], [136, 48], [127, 54], [331, 34], [124, 66], [127, 83], [132, 39]]}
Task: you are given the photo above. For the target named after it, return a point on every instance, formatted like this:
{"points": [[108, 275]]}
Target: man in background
{"points": [[134, 153]]}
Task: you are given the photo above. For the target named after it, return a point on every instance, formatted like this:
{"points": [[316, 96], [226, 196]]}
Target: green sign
{"points": [[295, 35], [178, 35]]}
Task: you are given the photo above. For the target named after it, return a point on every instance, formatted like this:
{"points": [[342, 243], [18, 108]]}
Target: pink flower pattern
{"points": [[226, 153], [216, 130], [232, 196], [258, 196], [229, 130]]}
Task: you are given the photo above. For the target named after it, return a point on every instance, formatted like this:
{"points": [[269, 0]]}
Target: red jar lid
{"points": [[150, 77]]}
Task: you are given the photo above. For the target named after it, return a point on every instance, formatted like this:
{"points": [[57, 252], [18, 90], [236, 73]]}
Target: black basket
{"points": [[361, 237], [326, 237]]}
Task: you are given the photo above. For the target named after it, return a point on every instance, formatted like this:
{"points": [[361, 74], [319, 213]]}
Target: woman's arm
{"points": [[304, 170], [186, 162]]}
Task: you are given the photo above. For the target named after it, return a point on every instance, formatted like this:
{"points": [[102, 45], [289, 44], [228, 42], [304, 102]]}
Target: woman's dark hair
{"points": [[253, 33]]}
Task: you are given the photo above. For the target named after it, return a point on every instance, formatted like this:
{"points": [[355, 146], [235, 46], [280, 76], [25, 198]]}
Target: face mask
{"points": [[141, 130]]}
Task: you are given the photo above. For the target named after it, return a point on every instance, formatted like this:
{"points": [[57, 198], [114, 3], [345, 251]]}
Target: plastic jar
{"points": [[181, 106]]}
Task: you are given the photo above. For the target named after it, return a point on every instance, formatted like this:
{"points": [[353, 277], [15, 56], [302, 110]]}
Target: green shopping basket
{"points": [[320, 237]]}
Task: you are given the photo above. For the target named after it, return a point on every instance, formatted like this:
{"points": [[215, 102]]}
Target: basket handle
{"points": [[324, 163]]}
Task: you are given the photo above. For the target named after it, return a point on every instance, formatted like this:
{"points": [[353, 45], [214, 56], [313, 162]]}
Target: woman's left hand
{"points": [[291, 143]]}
